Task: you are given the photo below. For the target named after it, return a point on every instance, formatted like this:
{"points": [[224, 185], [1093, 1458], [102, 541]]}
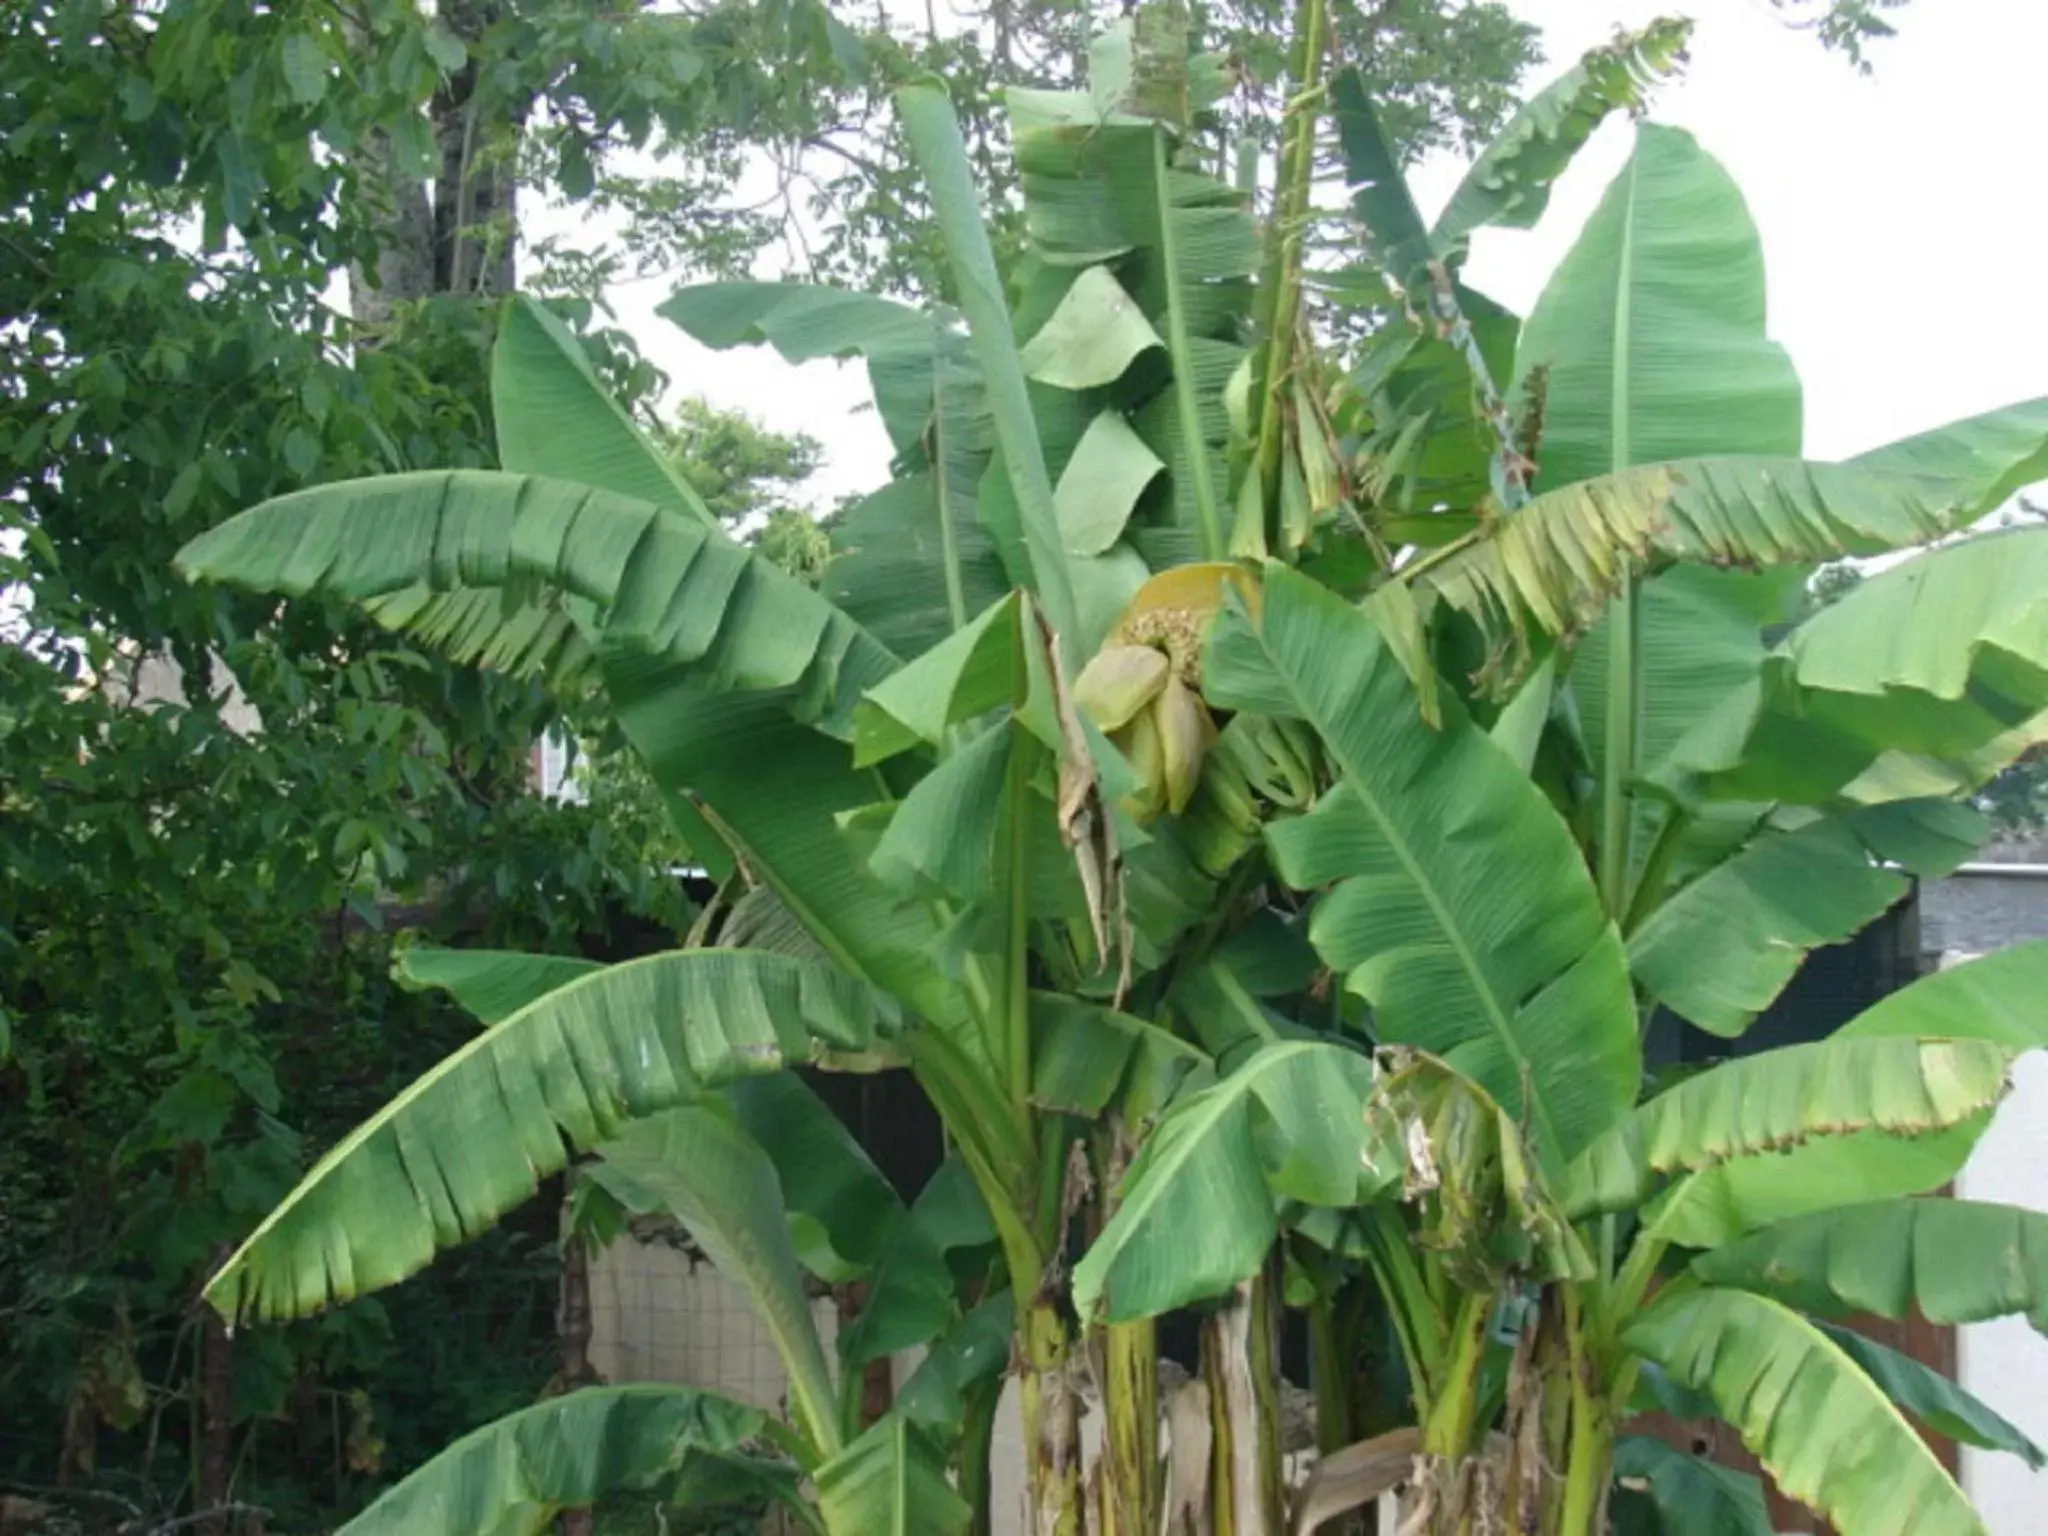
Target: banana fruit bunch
{"points": [[1259, 762], [1143, 689]]}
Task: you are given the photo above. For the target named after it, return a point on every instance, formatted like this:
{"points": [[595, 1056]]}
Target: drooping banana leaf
{"points": [[513, 1476], [1951, 1261], [1509, 184], [1933, 1399], [1940, 657], [1719, 1204], [1821, 1428], [553, 418], [522, 633], [1996, 454], [1996, 997], [912, 1296], [1781, 1098], [890, 1482], [672, 588], [1503, 964], [1195, 1213], [474, 1136], [1550, 568], [1721, 949], [1087, 1059], [695, 1163], [842, 1211], [492, 984], [1662, 1491], [808, 321]]}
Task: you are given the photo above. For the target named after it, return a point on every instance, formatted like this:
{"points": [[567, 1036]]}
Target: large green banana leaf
{"points": [[492, 984], [912, 1296], [1158, 244], [1781, 1098], [1997, 997], [1943, 657], [555, 418], [1509, 184], [673, 589], [842, 1211], [1195, 1213], [1952, 1261], [1662, 1491], [911, 560], [904, 347], [1460, 907], [934, 134], [1996, 454], [513, 1476], [1821, 1428], [1933, 1399], [1652, 328], [1719, 1204], [475, 1135], [1551, 566], [1722, 948], [697, 1164], [890, 1482]]}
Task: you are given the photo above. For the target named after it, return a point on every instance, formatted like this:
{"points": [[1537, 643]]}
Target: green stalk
{"points": [[1016, 1003], [1329, 1374], [942, 488], [1589, 1452], [1400, 1278], [1279, 303], [1589, 1463], [1451, 1426], [1617, 811], [1617, 807], [1657, 866], [977, 1438], [1197, 449]]}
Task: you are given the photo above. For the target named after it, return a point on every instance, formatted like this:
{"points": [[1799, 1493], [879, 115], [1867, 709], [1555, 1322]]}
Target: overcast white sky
{"points": [[1904, 220]]}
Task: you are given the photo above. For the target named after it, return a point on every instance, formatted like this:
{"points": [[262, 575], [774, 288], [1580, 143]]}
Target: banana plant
{"points": [[1580, 548], [1258, 794]]}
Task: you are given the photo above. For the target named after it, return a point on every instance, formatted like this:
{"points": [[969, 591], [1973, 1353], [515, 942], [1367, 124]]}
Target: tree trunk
{"points": [[1130, 1430], [456, 233], [476, 217]]}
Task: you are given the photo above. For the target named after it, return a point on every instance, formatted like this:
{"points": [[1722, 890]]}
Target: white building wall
{"points": [[2004, 1361]]}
